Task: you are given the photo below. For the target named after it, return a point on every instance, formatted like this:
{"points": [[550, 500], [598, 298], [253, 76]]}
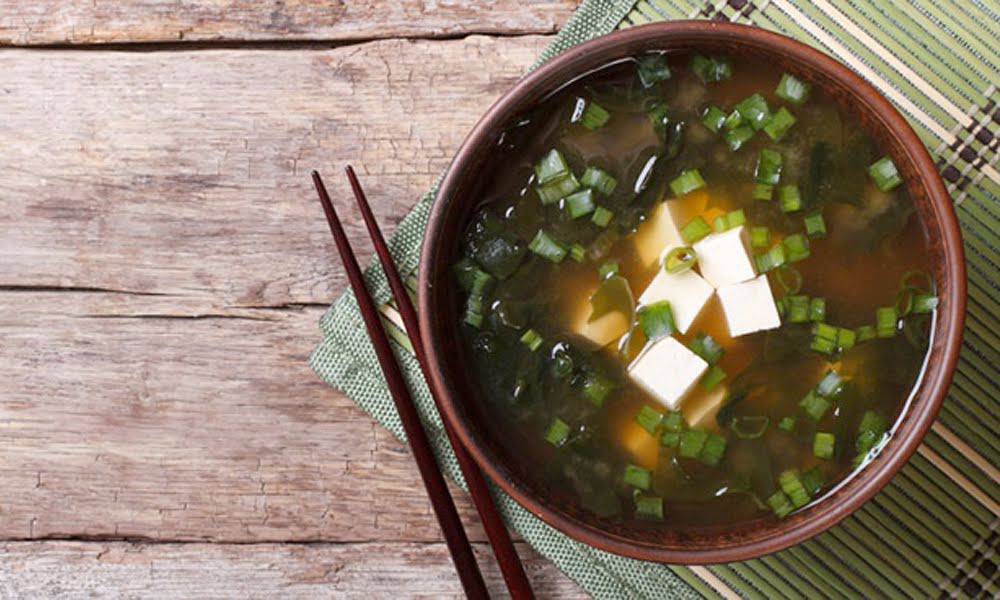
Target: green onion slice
{"points": [[789, 278], [750, 427], [679, 259]]}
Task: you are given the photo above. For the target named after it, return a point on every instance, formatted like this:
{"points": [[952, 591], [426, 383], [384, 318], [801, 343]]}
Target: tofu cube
{"points": [[749, 306], [687, 293], [667, 370], [700, 413], [724, 259], [657, 234]]}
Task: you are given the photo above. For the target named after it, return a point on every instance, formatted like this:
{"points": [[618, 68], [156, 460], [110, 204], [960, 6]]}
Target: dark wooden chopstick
{"points": [[503, 548], [437, 489]]}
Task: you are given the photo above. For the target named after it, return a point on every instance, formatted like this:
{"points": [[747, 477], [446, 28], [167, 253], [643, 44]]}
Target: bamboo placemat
{"points": [[935, 529]]}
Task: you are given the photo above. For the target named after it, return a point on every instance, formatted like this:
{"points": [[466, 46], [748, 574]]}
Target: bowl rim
{"points": [[937, 377]]}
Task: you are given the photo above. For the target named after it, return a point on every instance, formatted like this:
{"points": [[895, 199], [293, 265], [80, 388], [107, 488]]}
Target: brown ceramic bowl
{"points": [[439, 305]]}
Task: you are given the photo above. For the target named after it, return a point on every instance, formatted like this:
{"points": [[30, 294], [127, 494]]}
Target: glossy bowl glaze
{"points": [[439, 316]]}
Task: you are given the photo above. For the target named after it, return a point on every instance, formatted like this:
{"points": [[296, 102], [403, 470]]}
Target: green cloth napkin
{"points": [[933, 531]]}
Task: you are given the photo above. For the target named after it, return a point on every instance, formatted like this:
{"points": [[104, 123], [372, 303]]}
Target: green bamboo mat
{"points": [[935, 529]]}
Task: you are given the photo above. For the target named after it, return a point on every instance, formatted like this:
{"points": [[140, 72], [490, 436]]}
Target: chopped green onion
{"points": [[546, 247], [735, 218], [768, 170], [602, 217], [673, 421], [713, 118], [577, 252], [772, 259], [846, 338], [608, 269], [789, 198], [760, 237], [679, 259], [653, 68], [696, 229], [797, 308], [823, 345], [865, 441], [659, 115], [552, 167], [649, 507], [793, 488], [750, 428], [687, 181], [711, 68], [815, 225], [729, 220], [579, 204], [796, 247], [594, 116], [786, 424], [886, 321], [598, 180], [872, 421], [706, 347], [763, 191], [480, 282], [712, 450], [755, 111], [924, 303], [817, 309], [780, 123], [823, 445], [473, 318], [865, 333], [883, 172], [814, 405], [692, 441], [780, 504], [656, 320], [648, 418], [825, 331], [596, 388], [812, 480], [790, 279], [733, 120], [737, 137], [558, 432], [531, 339], [792, 90], [829, 384], [638, 477], [554, 191], [670, 439], [713, 377]]}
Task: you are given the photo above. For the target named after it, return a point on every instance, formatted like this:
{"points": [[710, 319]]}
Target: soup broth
{"points": [[798, 312]]}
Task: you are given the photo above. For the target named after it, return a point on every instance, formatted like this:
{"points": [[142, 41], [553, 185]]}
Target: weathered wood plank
{"points": [[187, 173], [126, 21], [189, 429], [192, 571]]}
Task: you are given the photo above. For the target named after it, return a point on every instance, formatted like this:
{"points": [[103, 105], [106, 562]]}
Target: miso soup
{"points": [[695, 292]]}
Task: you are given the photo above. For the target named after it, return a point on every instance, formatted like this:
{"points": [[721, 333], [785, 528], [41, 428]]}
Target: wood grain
{"points": [[264, 571], [162, 269], [173, 428], [187, 173], [130, 21]]}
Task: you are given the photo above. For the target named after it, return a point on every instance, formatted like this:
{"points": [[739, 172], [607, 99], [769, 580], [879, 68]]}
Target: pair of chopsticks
{"points": [[437, 489]]}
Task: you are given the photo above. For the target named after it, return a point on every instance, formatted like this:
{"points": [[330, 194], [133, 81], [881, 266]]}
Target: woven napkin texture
{"points": [[935, 529]]}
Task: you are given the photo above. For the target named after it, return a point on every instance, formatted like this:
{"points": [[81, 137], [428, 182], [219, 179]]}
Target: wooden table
{"points": [[163, 265]]}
